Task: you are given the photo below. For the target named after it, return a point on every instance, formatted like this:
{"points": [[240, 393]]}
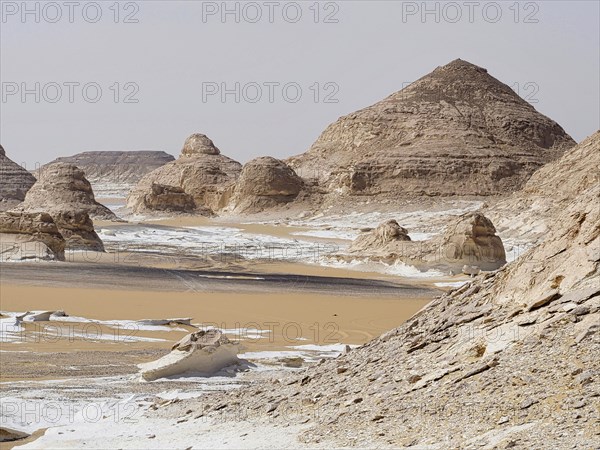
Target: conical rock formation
{"points": [[200, 172], [456, 131], [64, 187], [63, 192]]}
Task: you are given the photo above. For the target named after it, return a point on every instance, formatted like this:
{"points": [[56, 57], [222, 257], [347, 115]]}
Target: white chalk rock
{"points": [[41, 316], [202, 352], [8, 434]]}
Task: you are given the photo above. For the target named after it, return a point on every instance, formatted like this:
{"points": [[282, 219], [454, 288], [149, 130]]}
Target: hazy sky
{"points": [[175, 58]]}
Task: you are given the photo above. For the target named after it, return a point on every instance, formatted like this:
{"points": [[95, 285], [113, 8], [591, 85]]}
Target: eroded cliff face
{"points": [[25, 236], [456, 131], [15, 181], [529, 213]]}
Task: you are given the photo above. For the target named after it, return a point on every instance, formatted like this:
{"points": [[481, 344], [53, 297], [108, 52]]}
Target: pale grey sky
{"points": [[356, 52]]}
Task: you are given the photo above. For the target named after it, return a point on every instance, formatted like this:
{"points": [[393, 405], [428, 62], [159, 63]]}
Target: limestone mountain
{"points": [[15, 181], [201, 172], [115, 173], [456, 131]]}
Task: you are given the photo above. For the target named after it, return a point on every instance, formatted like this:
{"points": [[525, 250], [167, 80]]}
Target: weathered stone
{"points": [[380, 238], [168, 198], [531, 212], [202, 352], [30, 235], [64, 187], [15, 181], [199, 144], [9, 435], [265, 183], [201, 172], [63, 192], [469, 240], [472, 240]]}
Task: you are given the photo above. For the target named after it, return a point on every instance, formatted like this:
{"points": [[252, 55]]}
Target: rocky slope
{"points": [[200, 172], [114, 174], [509, 360], [63, 192], [456, 131], [265, 183], [529, 213], [30, 236], [15, 181]]}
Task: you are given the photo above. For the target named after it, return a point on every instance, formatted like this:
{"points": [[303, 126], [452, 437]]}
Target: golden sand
{"points": [[316, 319]]}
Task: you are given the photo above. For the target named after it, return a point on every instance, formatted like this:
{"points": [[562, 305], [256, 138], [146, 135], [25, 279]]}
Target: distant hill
{"points": [[114, 173]]}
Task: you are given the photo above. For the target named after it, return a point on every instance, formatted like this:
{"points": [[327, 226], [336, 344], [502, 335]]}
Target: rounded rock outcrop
{"points": [[472, 241], [64, 192], [265, 182], [168, 198], [201, 173], [199, 144], [30, 236], [469, 240], [386, 233], [64, 187]]}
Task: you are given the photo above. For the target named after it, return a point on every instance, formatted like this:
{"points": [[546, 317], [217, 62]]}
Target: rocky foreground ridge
{"points": [[115, 173], [532, 211], [509, 360], [456, 131]]}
